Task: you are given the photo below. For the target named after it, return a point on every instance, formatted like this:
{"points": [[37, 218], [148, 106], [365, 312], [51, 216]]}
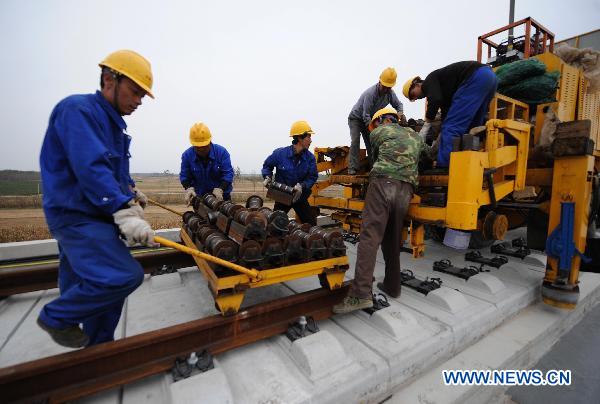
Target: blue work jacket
{"points": [[205, 175], [291, 170], [84, 161]]}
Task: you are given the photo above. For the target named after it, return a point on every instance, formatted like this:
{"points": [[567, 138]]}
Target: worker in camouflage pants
{"points": [[392, 180]]}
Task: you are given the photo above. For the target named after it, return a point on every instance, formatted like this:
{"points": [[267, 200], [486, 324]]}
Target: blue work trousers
{"points": [[469, 106], [96, 274]]}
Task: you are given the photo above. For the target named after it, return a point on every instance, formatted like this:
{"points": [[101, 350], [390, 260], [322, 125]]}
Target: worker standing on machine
{"points": [[205, 167], [371, 100], [392, 181], [89, 196], [296, 167], [463, 91]]}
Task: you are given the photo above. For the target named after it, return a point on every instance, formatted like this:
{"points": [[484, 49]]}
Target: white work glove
{"points": [[218, 193], [424, 130], [140, 198], [133, 226], [297, 192], [267, 182], [189, 194]]}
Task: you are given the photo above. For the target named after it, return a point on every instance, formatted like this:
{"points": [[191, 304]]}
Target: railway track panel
{"points": [[366, 357]]}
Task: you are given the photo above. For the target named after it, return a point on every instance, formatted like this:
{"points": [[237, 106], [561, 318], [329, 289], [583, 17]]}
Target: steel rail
{"points": [[23, 278], [80, 373]]}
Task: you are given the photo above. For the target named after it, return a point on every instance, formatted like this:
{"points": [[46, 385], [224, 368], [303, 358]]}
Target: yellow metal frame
{"points": [[466, 191], [572, 183], [228, 291]]}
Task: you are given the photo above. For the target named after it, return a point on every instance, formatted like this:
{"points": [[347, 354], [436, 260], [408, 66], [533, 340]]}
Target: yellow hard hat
{"points": [[385, 111], [299, 128], [407, 85], [388, 77], [200, 135], [132, 65]]}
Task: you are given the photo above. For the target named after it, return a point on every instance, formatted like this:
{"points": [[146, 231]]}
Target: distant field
{"points": [[21, 216]]}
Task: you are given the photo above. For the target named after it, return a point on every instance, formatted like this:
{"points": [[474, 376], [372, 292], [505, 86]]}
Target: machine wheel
{"points": [[537, 229], [477, 240]]}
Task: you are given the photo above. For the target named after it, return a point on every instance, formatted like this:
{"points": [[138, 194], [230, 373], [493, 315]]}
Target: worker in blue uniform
{"points": [[90, 202], [463, 92], [296, 167], [205, 167]]}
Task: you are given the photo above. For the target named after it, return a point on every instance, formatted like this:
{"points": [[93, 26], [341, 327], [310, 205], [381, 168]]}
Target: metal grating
{"points": [[569, 86], [589, 108]]}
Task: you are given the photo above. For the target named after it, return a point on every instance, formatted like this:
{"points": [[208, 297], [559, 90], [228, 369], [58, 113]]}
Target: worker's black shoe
{"points": [[381, 286], [71, 337]]}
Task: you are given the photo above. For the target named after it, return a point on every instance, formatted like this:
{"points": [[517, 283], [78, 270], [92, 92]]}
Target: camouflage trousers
{"points": [[386, 205]]}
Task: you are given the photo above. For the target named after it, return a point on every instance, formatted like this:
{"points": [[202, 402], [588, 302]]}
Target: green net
{"points": [[534, 90], [513, 73]]}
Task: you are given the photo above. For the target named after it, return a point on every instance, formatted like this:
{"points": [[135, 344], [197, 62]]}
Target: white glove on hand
{"points": [[424, 130], [218, 193], [297, 192], [267, 182], [140, 198], [189, 194], [133, 226]]}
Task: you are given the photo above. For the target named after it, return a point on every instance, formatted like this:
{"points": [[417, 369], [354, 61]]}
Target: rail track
{"points": [[80, 373], [28, 276]]}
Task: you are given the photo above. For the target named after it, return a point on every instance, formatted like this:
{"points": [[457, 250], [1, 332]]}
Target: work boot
{"points": [[71, 337], [352, 303], [381, 286]]}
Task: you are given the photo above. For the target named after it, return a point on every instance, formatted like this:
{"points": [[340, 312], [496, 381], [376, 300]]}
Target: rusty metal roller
{"points": [[294, 252], [282, 187], [187, 215], [195, 222], [211, 201], [190, 219], [196, 201], [245, 217], [204, 232], [272, 251], [219, 245], [254, 202], [229, 209], [305, 227], [250, 253], [314, 243], [333, 240], [278, 221]]}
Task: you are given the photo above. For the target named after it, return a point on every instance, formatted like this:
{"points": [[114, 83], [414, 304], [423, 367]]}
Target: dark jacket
{"points": [[441, 84]]}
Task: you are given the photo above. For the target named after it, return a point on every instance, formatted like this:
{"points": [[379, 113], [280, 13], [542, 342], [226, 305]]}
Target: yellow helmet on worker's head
{"points": [[132, 65], [388, 77], [385, 111], [200, 135], [408, 85], [299, 128]]}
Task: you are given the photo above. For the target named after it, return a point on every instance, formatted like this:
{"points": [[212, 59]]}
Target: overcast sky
{"points": [[248, 69]]}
